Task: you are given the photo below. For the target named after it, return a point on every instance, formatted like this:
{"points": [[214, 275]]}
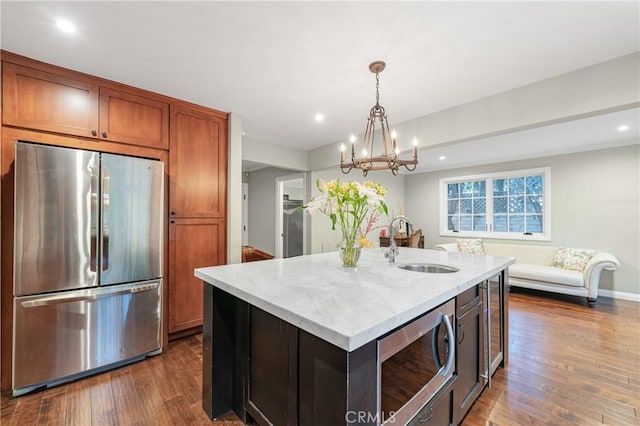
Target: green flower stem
{"points": [[349, 256]]}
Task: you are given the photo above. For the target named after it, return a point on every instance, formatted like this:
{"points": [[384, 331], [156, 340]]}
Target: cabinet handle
{"points": [[173, 213], [172, 221], [429, 413], [460, 333], [104, 134], [94, 133]]}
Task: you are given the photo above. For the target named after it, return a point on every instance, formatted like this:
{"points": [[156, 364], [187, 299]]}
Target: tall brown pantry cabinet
{"points": [[197, 207], [48, 104]]}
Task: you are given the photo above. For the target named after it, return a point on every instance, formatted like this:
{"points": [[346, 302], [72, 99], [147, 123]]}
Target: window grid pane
{"points": [[467, 206], [512, 204], [518, 204]]}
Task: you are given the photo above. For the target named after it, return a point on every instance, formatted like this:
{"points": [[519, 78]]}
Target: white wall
{"points": [[234, 190], [323, 239], [274, 155], [262, 207], [595, 204], [294, 193]]}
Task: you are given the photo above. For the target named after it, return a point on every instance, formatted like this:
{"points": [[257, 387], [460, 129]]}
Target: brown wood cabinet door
{"points": [[39, 100], [136, 120], [193, 243], [469, 369], [198, 160]]}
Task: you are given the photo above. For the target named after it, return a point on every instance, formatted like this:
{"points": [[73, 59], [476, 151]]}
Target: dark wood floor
{"points": [[569, 365]]}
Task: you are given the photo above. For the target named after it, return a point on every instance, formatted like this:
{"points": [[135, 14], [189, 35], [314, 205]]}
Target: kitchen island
{"points": [[295, 341]]}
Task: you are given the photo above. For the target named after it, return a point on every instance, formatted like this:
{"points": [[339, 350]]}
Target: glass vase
{"points": [[349, 254]]}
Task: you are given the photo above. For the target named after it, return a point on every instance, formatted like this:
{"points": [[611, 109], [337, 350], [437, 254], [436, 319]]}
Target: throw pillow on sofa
{"points": [[470, 246], [572, 259]]}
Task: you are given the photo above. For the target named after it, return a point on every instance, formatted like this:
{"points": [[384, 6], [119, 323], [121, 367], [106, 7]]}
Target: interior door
{"points": [[132, 203], [56, 212]]}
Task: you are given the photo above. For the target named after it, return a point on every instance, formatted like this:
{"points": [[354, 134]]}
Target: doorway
{"points": [[291, 235]]}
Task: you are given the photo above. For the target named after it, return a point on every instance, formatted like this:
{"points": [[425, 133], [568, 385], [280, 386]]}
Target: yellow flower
{"points": [[365, 242], [332, 185]]}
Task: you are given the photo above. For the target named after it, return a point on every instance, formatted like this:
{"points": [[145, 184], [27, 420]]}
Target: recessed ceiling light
{"points": [[623, 128], [65, 26], [319, 117], [243, 133], [442, 157]]}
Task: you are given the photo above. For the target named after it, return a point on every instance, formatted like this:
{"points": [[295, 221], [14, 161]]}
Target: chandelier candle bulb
{"points": [[415, 148], [352, 139], [342, 153]]}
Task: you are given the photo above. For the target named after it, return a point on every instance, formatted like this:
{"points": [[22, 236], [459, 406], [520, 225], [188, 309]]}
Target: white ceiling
{"points": [[279, 63], [597, 132]]}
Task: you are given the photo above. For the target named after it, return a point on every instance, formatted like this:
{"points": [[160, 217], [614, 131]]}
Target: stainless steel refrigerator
{"points": [[88, 243]]}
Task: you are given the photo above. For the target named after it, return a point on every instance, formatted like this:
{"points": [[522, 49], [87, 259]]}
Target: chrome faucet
{"points": [[393, 247]]}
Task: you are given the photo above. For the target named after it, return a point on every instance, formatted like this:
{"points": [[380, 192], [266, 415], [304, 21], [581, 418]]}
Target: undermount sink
{"points": [[429, 268]]}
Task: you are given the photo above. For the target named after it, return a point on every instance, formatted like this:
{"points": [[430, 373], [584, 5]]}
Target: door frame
{"points": [[278, 243], [245, 214]]}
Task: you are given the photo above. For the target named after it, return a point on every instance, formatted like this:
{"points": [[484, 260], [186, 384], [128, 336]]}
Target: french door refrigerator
{"points": [[88, 242]]}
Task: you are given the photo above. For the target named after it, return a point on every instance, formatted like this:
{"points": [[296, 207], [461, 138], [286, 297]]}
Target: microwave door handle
{"points": [[452, 346], [435, 350]]}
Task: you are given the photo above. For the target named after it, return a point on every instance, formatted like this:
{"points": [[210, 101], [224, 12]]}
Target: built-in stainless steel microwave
{"points": [[414, 362]]}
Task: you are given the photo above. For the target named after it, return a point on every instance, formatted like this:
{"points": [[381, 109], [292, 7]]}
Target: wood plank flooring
{"points": [[569, 365]]}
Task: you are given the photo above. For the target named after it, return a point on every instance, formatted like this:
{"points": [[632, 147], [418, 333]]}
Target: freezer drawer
{"points": [[63, 334]]}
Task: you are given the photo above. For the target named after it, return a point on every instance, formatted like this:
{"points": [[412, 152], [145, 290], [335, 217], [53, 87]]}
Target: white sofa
{"points": [[533, 269]]}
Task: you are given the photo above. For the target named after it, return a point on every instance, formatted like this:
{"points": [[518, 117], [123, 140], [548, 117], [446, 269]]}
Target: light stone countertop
{"points": [[350, 307]]}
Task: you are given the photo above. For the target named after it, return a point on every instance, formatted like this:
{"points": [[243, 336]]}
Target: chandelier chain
{"points": [[377, 89]]}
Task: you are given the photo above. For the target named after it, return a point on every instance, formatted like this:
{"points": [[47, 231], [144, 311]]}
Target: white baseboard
{"points": [[620, 295]]}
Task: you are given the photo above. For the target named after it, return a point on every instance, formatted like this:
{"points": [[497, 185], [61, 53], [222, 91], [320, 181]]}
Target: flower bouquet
{"points": [[353, 206]]}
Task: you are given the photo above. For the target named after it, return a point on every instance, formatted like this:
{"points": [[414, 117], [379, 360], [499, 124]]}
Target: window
{"points": [[511, 205]]}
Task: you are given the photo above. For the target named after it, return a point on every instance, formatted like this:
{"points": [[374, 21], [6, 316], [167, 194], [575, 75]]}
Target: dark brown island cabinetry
{"points": [[197, 207], [469, 346], [269, 371], [482, 323], [42, 100]]}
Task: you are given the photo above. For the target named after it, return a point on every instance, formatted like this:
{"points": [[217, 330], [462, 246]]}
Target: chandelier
{"points": [[388, 159]]}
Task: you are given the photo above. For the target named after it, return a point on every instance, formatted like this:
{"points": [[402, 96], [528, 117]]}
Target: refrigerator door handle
{"points": [[93, 262], [105, 218], [60, 299]]}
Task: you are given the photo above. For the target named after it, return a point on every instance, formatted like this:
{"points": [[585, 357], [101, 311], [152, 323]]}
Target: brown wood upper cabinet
{"points": [[198, 158], [133, 119], [41, 100]]}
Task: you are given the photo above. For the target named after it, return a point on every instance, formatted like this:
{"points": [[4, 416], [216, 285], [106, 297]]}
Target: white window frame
{"points": [[489, 177]]}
